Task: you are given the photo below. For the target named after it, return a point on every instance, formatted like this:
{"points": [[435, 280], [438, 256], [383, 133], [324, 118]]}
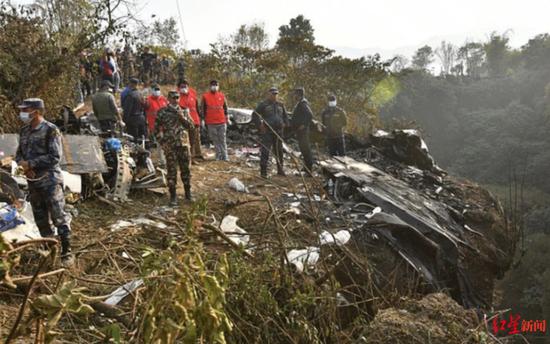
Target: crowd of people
{"points": [[119, 65], [174, 121]]}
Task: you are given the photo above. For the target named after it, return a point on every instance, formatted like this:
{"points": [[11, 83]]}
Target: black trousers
{"points": [[305, 147], [136, 126], [268, 141], [336, 146]]}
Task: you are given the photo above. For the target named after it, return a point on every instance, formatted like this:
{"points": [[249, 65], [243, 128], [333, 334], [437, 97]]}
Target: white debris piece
{"points": [[229, 225], [235, 184], [120, 224], [339, 238], [121, 292], [303, 257], [438, 190], [373, 212], [72, 182]]}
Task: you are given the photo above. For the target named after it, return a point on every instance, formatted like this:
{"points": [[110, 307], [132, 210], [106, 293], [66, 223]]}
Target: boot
{"points": [[188, 195], [281, 171], [263, 172], [173, 197], [67, 258]]}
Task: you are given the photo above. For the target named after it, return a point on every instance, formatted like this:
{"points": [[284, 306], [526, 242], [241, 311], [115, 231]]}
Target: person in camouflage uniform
{"points": [[271, 118], [38, 154], [171, 131]]}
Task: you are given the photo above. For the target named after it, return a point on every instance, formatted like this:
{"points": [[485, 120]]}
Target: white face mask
{"points": [[184, 90], [214, 88], [156, 93], [25, 117], [332, 103]]}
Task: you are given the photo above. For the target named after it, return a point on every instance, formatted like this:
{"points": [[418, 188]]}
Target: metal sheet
{"points": [[81, 153]]}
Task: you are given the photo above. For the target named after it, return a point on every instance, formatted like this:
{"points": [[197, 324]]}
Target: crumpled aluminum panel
{"points": [[81, 153]]}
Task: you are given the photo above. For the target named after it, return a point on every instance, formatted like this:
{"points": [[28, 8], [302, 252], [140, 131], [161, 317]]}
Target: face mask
{"points": [[25, 117], [332, 103], [184, 90], [214, 88], [156, 93]]}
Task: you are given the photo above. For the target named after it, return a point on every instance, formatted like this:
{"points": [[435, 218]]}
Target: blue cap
{"points": [[35, 103]]}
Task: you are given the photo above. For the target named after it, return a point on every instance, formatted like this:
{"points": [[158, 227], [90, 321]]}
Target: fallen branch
{"points": [[13, 331]]}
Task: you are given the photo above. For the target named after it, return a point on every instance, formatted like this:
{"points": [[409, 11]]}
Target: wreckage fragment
{"points": [[415, 240]]}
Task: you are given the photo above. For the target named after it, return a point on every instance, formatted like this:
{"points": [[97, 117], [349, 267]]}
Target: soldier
{"points": [[301, 120], [171, 128], [38, 154], [334, 120], [271, 118]]}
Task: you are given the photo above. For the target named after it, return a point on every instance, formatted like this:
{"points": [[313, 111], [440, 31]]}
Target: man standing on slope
{"points": [[154, 103], [171, 128], [38, 154], [188, 100], [214, 110], [334, 120], [270, 118], [301, 120]]}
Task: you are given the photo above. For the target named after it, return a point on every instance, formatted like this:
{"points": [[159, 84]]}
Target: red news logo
{"points": [[512, 326]]}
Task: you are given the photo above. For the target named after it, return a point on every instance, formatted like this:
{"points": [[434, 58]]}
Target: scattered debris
{"points": [[120, 293], [339, 238], [235, 184], [234, 232], [121, 224], [301, 258], [422, 231]]}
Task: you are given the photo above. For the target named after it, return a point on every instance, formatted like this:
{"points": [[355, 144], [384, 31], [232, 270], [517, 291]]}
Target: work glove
{"points": [[122, 124]]}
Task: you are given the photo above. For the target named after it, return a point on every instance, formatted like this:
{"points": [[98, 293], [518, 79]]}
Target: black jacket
{"points": [[133, 104], [302, 114]]}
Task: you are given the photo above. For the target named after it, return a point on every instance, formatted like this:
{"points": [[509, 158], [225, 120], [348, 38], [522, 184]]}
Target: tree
{"points": [[399, 63], [472, 55], [423, 58], [536, 52], [446, 53], [298, 33], [497, 52], [166, 32], [251, 36]]}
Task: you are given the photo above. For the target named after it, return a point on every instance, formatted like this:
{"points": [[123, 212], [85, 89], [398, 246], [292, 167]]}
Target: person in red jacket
{"points": [[214, 112], [154, 103], [188, 100]]}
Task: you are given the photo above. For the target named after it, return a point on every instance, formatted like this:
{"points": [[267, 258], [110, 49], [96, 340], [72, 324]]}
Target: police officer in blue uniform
{"points": [[39, 153]]}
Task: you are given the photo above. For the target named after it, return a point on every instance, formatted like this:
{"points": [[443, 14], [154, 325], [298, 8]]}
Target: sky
{"points": [[354, 27]]}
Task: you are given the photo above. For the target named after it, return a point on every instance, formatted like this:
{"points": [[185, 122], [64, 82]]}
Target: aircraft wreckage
{"points": [[419, 229]]}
